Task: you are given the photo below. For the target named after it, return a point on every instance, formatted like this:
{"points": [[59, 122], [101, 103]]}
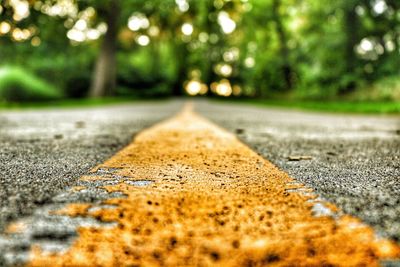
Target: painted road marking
{"points": [[196, 196]]}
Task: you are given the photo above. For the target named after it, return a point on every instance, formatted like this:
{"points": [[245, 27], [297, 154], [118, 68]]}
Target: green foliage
{"points": [[384, 89], [140, 75], [18, 85], [70, 71], [305, 49]]}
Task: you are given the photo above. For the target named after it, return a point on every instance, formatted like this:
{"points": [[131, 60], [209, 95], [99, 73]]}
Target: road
{"points": [[352, 161], [355, 160], [44, 151]]}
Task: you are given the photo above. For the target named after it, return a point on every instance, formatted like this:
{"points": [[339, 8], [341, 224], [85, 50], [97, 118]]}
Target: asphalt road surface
{"points": [[44, 151], [350, 160], [189, 193]]}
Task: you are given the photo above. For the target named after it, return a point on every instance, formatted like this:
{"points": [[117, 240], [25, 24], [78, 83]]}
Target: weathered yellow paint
{"points": [[213, 202]]}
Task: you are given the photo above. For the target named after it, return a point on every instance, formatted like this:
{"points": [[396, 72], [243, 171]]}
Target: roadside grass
{"points": [[338, 106], [70, 103], [19, 85], [345, 106]]}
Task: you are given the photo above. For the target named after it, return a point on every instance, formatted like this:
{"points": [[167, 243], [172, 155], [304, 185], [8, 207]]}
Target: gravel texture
{"points": [[43, 151], [351, 160]]}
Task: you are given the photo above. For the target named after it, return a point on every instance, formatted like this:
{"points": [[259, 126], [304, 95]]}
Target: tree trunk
{"points": [[351, 31], [286, 67], [181, 56], [209, 76], [104, 79]]}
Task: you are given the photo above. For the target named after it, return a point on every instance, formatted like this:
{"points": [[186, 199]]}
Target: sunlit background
{"points": [[288, 49]]}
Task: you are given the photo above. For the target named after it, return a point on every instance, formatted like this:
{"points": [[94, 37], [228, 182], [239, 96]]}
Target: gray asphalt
{"points": [[350, 160], [44, 151], [355, 160]]}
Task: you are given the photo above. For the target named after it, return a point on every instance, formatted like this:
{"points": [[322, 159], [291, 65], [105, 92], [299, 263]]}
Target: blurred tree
{"points": [[104, 80], [286, 68], [259, 48], [351, 28]]}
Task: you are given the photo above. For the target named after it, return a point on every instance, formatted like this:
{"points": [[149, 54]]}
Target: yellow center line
{"points": [[208, 199]]}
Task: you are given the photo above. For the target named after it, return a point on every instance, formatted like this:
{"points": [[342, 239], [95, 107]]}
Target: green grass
{"points": [[18, 85], [375, 107], [70, 103], [369, 107]]}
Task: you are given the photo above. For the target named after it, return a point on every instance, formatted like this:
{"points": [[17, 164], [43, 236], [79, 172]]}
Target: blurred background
{"points": [[268, 50]]}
